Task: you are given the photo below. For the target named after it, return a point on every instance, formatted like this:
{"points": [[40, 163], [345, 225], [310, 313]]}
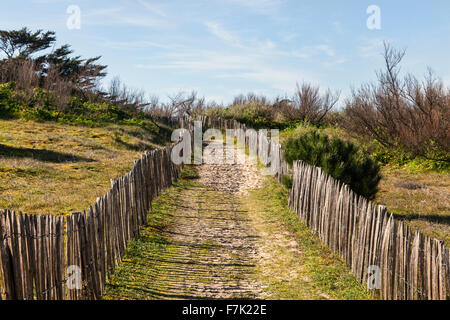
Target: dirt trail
{"points": [[216, 245]]}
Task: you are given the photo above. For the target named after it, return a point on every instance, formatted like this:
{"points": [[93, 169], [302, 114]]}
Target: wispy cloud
{"points": [[325, 49], [265, 7], [253, 66], [151, 7], [139, 44], [337, 25], [120, 16], [255, 60], [234, 40], [307, 52], [200, 60], [286, 37], [223, 34], [370, 48]]}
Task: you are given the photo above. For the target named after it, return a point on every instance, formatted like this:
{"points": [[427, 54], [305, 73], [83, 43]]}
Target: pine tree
{"points": [[341, 159]]}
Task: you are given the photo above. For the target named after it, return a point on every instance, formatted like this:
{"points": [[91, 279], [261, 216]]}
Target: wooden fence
{"points": [[39, 254], [410, 265]]}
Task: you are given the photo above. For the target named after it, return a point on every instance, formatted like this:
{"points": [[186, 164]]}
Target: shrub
{"points": [[8, 105], [286, 180], [402, 112], [308, 104], [215, 112], [341, 159], [252, 114]]}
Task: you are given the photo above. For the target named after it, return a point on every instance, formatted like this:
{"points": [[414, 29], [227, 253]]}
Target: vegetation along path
{"points": [[224, 231]]}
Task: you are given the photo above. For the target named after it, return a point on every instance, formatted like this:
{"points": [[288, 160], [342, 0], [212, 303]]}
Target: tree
{"points": [[403, 111], [24, 43], [53, 69], [84, 74], [308, 104], [341, 159]]}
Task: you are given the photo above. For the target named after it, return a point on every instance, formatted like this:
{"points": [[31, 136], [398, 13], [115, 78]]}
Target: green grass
{"points": [[425, 208], [40, 105], [158, 265], [134, 278]]}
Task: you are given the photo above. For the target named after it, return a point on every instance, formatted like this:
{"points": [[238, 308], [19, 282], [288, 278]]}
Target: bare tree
{"points": [[126, 98], [251, 98], [403, 111], [308, 103]]}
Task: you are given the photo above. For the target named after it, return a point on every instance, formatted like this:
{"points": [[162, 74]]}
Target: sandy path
{"points": [[218, 248], [216, 245]]}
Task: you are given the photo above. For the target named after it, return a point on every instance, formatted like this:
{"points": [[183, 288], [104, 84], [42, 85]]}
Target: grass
{"points": [[315, 272], [51, 168], [134, 278], [421, 199]]}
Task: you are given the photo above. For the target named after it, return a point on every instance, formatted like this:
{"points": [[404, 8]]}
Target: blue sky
{"points": [[222, 48]]}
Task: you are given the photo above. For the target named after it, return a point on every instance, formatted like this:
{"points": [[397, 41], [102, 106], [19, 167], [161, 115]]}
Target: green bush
{"points": [[40, 106], [397, 156], [8, 105], [286, 180], [341, 159], [253, 114]]}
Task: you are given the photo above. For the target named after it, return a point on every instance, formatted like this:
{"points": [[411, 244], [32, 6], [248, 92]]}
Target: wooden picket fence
{"points": [[410, 265], [38, 254]]}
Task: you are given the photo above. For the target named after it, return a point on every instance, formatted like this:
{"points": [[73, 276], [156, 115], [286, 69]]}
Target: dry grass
{"points": [[49, 168], [421, 199]]}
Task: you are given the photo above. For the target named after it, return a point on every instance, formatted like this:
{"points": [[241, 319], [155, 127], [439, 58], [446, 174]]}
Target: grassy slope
{"points": [[50, 168], [426, 209]]}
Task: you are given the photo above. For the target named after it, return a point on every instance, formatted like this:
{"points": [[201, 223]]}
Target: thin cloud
{"points": [[337, 25], [312, 51], [286, 37], [264, 7], [139, 44], [223, 34], [119, 16], [153, 8], [255, 67], [370, 48], [325, 49]]}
